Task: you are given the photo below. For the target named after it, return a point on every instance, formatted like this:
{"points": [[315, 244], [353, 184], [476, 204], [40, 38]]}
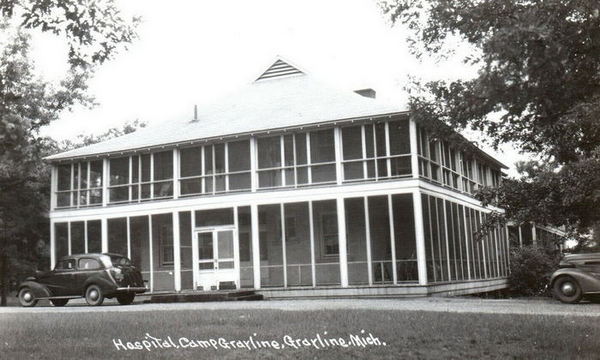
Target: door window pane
{"points": [[205, 246], [225, 244]]}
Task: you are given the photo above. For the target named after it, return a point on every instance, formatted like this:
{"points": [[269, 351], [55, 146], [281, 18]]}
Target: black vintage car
{"points": [[93, 276]]}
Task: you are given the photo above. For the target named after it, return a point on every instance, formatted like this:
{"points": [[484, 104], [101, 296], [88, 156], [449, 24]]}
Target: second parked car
{"points": [[92, 276]]}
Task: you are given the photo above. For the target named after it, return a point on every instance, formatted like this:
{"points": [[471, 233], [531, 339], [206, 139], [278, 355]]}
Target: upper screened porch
{"points": [[373, 150]]}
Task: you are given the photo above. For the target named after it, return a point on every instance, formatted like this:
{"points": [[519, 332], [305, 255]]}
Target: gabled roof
{"points": [[276, 100]]}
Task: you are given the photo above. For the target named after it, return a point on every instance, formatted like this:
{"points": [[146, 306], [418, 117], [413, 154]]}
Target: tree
{"points": [[94, 32], [537, 87]]}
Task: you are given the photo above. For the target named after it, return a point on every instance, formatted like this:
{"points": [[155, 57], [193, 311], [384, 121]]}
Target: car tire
{"points": [[26, 297], [567, 290], [125, 299], [94, 295], [59, 302]]}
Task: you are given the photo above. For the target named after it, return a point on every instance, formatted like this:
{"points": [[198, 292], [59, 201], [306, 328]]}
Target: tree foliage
{"points": [[94, 31], [537, 87]]}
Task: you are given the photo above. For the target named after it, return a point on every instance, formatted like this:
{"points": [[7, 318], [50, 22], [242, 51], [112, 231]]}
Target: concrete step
{"points": [[205, 296]]}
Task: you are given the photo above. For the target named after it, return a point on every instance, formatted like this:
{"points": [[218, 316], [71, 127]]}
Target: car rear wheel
{"points": [[59, 302], [125, 299], [567, 290], [94, 295], [26, 297]]}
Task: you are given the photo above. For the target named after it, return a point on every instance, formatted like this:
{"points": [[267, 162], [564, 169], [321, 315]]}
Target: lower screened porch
{"points": [[394, 244]]}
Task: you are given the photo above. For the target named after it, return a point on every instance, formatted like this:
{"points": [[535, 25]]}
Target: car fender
{"points": [[105, 284], [39, 290], [587, 281]]}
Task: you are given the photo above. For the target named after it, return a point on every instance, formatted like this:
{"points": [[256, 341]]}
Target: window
{"points": [[79, 184], [141, 177], [68, 264], [329, 233], [218, 168], [460, 170], [376, 151], [88, 264], [162, 238], [284, 160]]}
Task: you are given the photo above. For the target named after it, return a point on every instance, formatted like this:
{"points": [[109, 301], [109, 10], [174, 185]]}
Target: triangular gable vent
{"points": [[279, 69]]}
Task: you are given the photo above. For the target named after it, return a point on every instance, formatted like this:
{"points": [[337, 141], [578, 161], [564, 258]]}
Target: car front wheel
{"points": [[94, 295], [26, 297], [59, 302], [125, 299], [567, 290]]}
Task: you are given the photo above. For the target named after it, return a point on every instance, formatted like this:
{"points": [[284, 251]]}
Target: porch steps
{"points": [[205, 296]]}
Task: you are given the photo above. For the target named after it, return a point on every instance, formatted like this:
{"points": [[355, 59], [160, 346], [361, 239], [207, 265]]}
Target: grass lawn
{"points": [[423, 335]]}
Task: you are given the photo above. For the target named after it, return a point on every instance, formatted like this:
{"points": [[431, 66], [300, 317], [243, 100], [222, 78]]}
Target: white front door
{"points": [[217, 260]]}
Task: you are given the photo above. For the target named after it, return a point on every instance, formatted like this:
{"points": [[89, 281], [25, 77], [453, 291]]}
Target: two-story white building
{"points": [[289, 187]]}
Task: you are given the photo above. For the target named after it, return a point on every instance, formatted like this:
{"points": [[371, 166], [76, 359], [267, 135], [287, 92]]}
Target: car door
{"points": [[86, 268], [60, 280]]}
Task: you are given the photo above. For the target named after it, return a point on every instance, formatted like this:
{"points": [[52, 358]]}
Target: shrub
{"points": [[530, 270]]}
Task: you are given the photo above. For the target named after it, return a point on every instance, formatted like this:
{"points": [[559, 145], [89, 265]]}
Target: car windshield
{"points": [[120, 261]]}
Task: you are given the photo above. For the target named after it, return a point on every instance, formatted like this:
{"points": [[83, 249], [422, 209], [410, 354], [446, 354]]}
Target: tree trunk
{"points": [[3, 279]]}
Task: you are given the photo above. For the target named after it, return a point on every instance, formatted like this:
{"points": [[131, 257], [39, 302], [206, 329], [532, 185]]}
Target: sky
{"points": [[193, 52]]}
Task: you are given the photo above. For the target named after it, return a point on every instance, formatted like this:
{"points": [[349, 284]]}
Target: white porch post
{"points": [[414, 158], [468, 235], [392, 239], [151, 254], [53, 186], [253, 165], [104, 233], [175, 173], [255, 245], [343, 249], [483, 249], [368, 240], [194, 250], [176, 251], [69, 238], [339, 170], [52, 244], [105, 178], [533, 235], [520, 237], [420, 238]]}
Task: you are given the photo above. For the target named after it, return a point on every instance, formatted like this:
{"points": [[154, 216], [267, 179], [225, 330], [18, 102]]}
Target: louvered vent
{"points": [[279, 69]]}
